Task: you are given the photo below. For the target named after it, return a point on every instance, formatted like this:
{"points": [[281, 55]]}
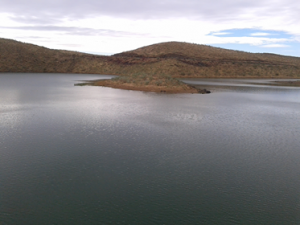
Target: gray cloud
{"points": [[37, 19], [31, 37], [50, 12], [76, 31]]}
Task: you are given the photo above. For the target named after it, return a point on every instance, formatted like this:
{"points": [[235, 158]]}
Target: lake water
{"points": [[95, 155]]}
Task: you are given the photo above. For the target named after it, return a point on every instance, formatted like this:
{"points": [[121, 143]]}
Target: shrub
{"points": [[158, 83]]}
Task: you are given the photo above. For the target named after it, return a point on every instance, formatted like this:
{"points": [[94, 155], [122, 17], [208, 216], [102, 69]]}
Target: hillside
{"points": [[21, 57], [192, 60], [172, 58]]}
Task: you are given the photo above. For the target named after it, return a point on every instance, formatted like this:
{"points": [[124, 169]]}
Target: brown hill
{"points": [[21, 57], [172, 58], [193, 60]]}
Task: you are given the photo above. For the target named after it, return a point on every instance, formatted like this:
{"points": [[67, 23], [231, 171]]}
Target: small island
{"points": [[149, 83]]}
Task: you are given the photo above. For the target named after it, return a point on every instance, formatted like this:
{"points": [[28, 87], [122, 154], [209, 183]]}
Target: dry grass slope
{"points": [[192, 60], [144, 82], [176, 59], [21, 57]]}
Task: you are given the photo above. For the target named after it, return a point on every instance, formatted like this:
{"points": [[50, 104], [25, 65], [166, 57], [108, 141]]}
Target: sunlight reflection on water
{"points": [[101, 155]]}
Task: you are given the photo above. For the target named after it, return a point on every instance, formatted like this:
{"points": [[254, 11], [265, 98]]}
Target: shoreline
{"points": [[295, 83]]}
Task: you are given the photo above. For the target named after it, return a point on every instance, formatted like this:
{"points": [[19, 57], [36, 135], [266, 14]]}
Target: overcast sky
{"points": [[113, 26]]}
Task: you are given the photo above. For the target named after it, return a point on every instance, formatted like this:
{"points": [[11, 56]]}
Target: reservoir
{"points": [[96, 155]]}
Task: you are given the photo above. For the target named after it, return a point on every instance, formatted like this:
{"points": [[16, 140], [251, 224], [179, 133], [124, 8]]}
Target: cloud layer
{"points": [[156, 20]]}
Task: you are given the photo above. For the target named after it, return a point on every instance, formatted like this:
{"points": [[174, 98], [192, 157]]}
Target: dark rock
{"points": [[203, 91]]}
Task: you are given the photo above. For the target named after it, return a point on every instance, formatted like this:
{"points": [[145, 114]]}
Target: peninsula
{"points": [[149, 83]]}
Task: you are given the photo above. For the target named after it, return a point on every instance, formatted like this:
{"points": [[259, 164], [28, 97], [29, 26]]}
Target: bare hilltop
{"points": [[176, 59]]}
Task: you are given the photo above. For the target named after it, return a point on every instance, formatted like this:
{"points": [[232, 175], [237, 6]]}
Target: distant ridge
{"points": [[200, 51], [21, 57], [171, 58]]}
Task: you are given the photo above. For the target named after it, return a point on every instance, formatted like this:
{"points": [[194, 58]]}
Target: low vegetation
{"points": [[148, 80], [144, 82], [175, 59]]}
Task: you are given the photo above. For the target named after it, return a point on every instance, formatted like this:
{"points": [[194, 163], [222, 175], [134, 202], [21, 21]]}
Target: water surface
{"points": [[97, 155]]}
